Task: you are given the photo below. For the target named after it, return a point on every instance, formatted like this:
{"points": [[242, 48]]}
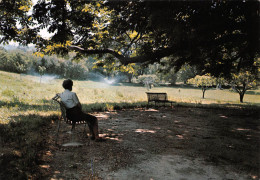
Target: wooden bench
{"points": [[158, 98], [64, 117]]}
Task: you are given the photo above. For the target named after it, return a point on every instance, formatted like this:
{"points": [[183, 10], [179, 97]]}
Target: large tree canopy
{"points": [[219, 37]]}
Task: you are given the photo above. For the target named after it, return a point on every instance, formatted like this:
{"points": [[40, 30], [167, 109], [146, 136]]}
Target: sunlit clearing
{"points": [[180, 136], [17, 153], [241, 129], [254, 177], [101, 116], [144, 131], [45, 166], [48, 153], [223, 117], [110, 137], [155, 110]]}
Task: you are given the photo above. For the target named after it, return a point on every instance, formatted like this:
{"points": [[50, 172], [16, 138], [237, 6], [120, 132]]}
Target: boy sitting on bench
{"points": [[74, 109]]}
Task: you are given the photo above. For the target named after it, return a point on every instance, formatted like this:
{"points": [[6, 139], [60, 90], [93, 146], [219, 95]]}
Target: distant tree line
{"points": [[19, 61], [22, 60]]}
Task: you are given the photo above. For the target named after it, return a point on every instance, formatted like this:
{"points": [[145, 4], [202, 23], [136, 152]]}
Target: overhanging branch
{"points": [[149, 57]]}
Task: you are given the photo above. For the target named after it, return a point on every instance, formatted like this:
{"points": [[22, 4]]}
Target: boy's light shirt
{"points": [[70, 99]]}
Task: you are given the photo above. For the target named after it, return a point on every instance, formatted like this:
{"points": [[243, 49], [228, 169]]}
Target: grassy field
{"points": [[23, 95], [27, 111]]}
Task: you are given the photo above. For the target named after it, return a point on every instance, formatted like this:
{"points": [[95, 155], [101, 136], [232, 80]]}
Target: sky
{"points": [[44, 33]]}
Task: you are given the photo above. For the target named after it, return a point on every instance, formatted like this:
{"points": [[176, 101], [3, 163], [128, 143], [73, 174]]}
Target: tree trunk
{"points": [[130, 77], [241, 95], [203, 92]]}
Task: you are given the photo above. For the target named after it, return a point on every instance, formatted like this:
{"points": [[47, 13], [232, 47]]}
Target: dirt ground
{"points": [[162, 143]]}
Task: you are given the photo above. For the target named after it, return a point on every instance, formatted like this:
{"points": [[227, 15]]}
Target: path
{"points": [[178, 143]]}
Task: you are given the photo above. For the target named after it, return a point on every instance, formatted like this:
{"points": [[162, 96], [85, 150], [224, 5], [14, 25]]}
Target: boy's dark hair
{"points": [[67, 84]]}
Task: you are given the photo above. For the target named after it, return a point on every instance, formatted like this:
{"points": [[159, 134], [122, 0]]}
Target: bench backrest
{"points": [[157, 96], [62, 109]]}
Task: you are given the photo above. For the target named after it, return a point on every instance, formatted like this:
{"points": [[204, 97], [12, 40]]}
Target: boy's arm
{"points": [[57, 96], [76, 99]]}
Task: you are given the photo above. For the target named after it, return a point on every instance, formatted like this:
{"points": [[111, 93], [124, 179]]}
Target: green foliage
{"points": [[22, 62], [141, 31], [221, 81], [204, 82], [15, 21], [186, 72], [14, 61], [148, 77], [42, 70], [242, 82]]}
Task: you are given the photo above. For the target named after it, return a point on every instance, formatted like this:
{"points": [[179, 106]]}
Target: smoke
{"points": [[107, 80], [46, 78]]}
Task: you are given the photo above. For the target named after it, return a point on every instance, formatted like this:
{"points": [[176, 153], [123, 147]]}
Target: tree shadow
{"points": [[25, 106], [23, 142], [219, 136], [222, 136]]}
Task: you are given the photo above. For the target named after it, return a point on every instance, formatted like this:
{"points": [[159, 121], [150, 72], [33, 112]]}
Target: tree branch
{"points": [[130, 44], [151, 57]]}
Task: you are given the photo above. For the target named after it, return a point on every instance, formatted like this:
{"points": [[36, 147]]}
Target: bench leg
{"points": [[58, 129], [85, 132], [73, 127]]}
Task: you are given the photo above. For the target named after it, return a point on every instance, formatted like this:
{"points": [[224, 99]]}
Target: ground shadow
{"points": [[226, 136], [25, 106], [23, 143]]}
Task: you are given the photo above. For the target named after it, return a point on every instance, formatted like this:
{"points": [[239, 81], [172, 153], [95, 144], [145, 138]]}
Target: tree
{"points": [[20, 61], [148, 80], [216, 36], [16, 23], [204, 82], [42, 70], [220, 81], [242, 82], [21, 68], [186, 72]]}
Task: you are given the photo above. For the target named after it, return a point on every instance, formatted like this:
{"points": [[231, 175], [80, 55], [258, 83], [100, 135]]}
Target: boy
{"points": [[74, 109]]}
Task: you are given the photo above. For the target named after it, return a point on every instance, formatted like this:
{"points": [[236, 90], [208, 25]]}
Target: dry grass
{"points": [[26, 110]]}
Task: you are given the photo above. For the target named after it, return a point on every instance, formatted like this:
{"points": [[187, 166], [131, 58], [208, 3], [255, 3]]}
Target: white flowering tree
{"points": [[148, 80], [204, 82]]}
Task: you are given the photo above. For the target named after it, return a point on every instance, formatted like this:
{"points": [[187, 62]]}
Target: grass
{"points": [[26, 95], [26, 109]]}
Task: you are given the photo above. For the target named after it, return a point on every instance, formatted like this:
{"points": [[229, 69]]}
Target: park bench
{"points": [[64, 117], [158, 98]]}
